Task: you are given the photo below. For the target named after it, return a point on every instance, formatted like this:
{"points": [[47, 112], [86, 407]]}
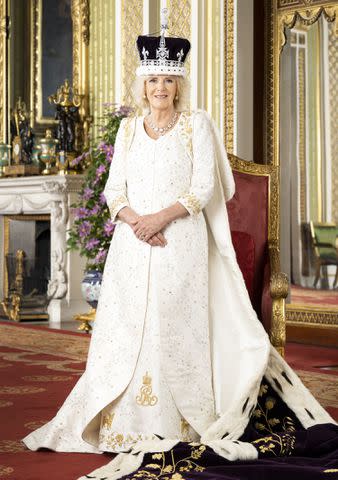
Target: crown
{"points": [[147, 379], [162, 55]]}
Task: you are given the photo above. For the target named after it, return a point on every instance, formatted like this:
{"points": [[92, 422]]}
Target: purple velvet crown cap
{"points": [[162, 55]]}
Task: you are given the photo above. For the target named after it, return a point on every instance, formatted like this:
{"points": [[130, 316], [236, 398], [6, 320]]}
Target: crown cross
{"points": [[145, 53], [180, 55], [162, 53]]}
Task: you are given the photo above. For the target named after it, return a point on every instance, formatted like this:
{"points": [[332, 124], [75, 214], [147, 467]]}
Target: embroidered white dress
{"points": [[158, 173], [177, 351]]}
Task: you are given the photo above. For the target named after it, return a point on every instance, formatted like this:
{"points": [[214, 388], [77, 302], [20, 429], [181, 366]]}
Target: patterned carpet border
{"points": [[47, 341]]}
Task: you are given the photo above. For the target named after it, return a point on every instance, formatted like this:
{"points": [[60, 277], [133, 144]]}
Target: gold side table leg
{"points": [[85, 318]]}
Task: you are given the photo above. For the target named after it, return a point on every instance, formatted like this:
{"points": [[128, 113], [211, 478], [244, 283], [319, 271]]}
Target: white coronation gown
{"points": [[177, 351]]}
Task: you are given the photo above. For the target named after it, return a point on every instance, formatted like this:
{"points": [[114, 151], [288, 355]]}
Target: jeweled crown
{"points": [[162, 55]]}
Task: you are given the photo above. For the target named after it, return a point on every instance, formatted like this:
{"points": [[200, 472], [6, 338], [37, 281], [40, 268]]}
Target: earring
{"points": [[144, 97], [176, 98]]}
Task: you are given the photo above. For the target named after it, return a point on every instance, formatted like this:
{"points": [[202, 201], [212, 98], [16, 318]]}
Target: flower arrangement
{"points": [[92, 229]]}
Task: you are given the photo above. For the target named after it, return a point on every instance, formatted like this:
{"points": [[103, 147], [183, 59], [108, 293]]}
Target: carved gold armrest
{"points": [[279, 288]]}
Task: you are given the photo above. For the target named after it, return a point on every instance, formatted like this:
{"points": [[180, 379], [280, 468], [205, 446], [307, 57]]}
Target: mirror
{"points": [[308, 156], [43, 43], [40, 42]]}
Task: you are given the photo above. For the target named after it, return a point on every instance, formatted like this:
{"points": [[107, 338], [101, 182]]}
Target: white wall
{"points": [[244, 65]]}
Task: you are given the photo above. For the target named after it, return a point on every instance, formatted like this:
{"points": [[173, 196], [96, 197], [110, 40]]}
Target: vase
{"points": [[90, 287], [5, 153]]}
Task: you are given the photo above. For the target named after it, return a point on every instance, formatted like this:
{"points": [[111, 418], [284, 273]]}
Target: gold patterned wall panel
{"points": [[180, 21], [131, 27], [212, 85], [301, 129], [229, 75], [101, 58], [333, 79]]}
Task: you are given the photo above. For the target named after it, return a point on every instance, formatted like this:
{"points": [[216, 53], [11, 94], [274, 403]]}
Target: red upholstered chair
{"points": [[254, 223]]}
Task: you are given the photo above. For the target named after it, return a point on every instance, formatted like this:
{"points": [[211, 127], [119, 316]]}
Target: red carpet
{"points": [[35, 378], [312, 296], [38, 368]]}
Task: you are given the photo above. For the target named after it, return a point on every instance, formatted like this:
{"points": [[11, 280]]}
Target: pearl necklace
{"points": [[162, 130]]}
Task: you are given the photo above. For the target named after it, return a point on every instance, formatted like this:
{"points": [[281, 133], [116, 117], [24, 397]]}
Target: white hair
{"points": [[183, 93]]}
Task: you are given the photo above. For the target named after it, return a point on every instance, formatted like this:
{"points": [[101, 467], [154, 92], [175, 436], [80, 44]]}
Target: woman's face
{"points": [[160, 91]]}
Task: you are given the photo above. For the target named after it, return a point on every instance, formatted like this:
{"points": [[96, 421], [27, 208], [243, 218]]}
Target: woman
{"points": [[177, 352]]}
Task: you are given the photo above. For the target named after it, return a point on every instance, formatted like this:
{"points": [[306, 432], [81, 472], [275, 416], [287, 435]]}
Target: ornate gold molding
{"points": [[3, 71], [284, 14], [229, 78], [292, 4], [307, 16], [303, 315]]}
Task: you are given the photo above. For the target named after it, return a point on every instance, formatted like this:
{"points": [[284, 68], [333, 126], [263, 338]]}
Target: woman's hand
{"points": [[157, 240], [147, 226]]}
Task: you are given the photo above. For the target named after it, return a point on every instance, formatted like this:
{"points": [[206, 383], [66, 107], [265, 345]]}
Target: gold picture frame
{"points": [[284, 14]]}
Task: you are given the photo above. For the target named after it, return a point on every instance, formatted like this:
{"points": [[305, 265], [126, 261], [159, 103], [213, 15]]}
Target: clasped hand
{"points": [[146, 227]]}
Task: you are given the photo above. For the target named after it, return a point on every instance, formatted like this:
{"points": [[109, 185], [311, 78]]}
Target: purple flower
{"points": [[92, 243], [100, 170], [102, 198], [77, 160], [96, 209], [101, 146], [84, 229], [109, 228], [100, 257], [81, 212], [87, 193]]}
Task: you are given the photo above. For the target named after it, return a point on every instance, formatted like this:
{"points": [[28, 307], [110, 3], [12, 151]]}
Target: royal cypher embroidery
{"points": [[146, 399]]}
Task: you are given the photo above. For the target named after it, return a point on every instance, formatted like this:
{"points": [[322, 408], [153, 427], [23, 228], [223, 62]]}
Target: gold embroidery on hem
{"points": [[278, 445], [146, 398], [173, 467], [119, 441], [185, 430], [107, 420]]}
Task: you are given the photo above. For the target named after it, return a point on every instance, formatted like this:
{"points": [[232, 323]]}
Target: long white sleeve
{"points": [[115, 190], [203, 170]]}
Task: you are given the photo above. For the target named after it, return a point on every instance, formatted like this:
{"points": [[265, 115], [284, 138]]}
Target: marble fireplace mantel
{"points": [[49, 195]]}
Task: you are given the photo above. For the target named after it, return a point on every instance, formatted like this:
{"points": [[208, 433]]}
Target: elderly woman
{"points": [[177, 352]]}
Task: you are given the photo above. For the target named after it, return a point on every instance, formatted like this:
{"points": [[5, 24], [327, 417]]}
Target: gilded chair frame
{"points": [[284, 14], [80, 18], [279, 284]]}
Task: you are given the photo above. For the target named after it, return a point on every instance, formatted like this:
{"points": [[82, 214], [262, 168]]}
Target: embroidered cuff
{"points": [[191, 203], [114, 208]]}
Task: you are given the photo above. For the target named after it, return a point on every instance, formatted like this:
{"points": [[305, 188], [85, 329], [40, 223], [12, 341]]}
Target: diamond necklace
{"points": [[162, 130]]}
